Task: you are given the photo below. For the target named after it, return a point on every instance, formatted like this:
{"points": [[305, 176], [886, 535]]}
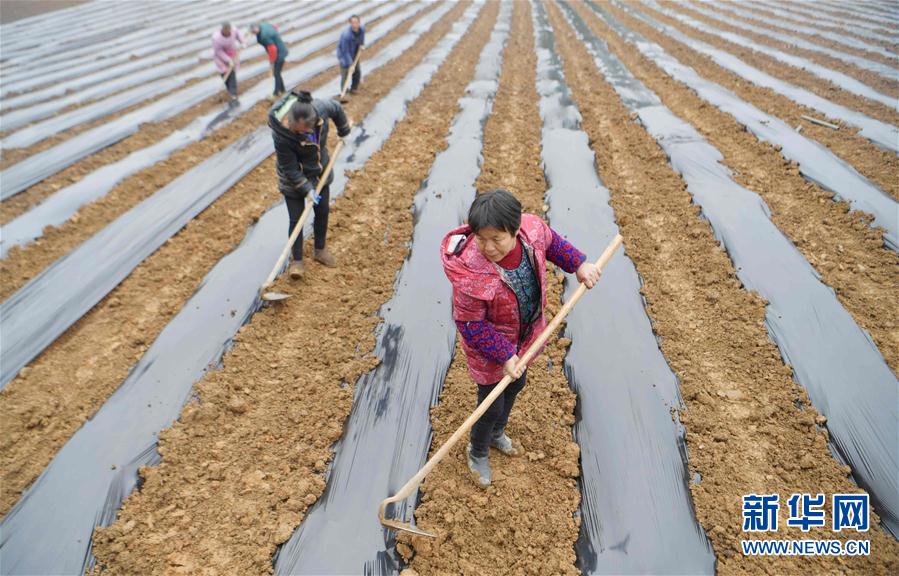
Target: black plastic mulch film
{"points": [[61, 205], [160, 73], [45, 307], [100, 462], [37, 82], [884, 70], [41, 165], [153, 81], [816, 162], [164, 376], [636, 508], [814, 333], [810, 30], [880, 133], [390, 422]]}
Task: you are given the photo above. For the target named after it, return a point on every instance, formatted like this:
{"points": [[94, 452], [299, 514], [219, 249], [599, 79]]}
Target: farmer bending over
{"points": [[268, 37], [300, 130], [226, 44], [497, 266]]}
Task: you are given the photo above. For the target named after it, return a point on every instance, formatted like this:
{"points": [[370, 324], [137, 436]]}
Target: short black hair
{"points": [[356, 16], [498, 209]]}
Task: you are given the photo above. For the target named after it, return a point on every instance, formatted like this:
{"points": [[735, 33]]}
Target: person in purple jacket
{"points": [[352, 40]]}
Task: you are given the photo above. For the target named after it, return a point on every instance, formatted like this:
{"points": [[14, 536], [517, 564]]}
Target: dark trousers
{"points": [[279, 82], [492, 424], [357, 76], [231, 83], [319, 226]]}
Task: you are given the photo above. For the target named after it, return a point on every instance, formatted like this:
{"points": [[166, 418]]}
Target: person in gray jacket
{"points": [[300, 126]]}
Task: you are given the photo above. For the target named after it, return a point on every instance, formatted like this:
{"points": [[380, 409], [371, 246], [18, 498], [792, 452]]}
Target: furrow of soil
{"points": [[74, 376], [14, 155], [794, 75], [24, 262], [20, 10], [239, 20], [148, 134], [749, 427], [878, 165], [850, 16], [781, 27], [244, 462], [823, 25], [524, 523], [843, 248]]}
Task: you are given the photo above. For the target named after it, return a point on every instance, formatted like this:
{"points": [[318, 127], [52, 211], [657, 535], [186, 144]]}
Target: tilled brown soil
{"points": [[18, 9], [147, 135], [749, 427], [243, 464], [23, 263], [794, 75], [523, 523], [848, 254], [823, 25], [770, 66], [878, 165], [78, 372], [780, 26], [71, 107], [14, 155], [834, 11]]}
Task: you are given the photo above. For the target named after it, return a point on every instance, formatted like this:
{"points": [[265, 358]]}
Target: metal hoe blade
{"points": [[396, 524], [275, 296], [405, 527]]}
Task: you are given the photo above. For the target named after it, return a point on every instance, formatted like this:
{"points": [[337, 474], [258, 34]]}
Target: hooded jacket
{"points": [[482, 293], [269, 38], [301, 159], [224, 49]]}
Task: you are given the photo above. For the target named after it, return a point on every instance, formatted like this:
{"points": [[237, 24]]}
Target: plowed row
{"points": [[251, 451]]}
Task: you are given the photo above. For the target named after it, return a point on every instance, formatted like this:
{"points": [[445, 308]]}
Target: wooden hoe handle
{"points": [[349, 74]]}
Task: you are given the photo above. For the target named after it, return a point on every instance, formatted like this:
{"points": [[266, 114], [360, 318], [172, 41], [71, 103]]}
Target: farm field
{"points": [[157, 416]]}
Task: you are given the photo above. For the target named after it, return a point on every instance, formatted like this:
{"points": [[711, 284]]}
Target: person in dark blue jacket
{"points": [[352, 40]]}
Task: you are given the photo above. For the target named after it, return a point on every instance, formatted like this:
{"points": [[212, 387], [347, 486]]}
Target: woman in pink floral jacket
{"points": [[226, 43], [497, 266]]}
